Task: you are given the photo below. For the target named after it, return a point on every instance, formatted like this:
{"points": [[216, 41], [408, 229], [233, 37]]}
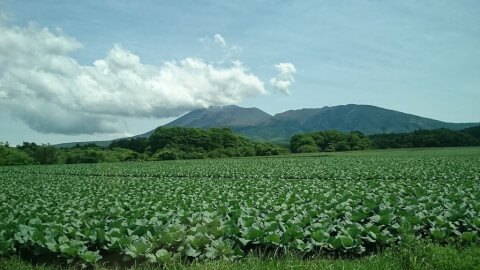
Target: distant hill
{"points": [[260, 126], [73, 144], [345, 118], [226, 116], [231, 116]]}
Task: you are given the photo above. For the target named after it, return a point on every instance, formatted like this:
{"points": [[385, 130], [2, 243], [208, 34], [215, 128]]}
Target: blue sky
{"points": [[168, 57]]}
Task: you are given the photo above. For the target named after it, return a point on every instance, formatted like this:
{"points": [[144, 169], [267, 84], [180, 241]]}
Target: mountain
{"points": [[227, 116], [231, 116], [365, 118], [260, 126]]}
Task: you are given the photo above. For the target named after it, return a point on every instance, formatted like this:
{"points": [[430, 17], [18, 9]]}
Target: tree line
{"points": [[334, 141], [166, 143], [428, 138], [170, 143], [329, 141]]}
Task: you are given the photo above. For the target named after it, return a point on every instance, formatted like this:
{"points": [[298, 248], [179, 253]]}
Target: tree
{"points": [[13, 156]]}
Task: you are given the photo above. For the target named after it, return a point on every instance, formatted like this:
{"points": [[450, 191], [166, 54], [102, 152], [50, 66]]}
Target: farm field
{"points": [[337, 204]]}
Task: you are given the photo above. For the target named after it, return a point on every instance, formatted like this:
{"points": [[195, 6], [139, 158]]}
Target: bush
{"points": [[307, 149], [342, 146], [195, 155], [165, 155], [330, 141], [13, 156], [330, 148]]}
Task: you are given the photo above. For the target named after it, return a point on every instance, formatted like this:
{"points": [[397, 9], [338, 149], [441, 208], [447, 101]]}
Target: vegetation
{"points": [[161, 212], [423, 255], [166, 143], [364, 118], [329, 141], [172, 143], [428, 138]]}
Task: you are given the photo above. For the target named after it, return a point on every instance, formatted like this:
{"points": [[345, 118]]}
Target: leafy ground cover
{"points": [[423, 256], [343, 204]]}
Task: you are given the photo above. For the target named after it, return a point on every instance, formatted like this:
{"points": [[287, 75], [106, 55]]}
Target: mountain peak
{"points": [[230, 115], [260, 126]]}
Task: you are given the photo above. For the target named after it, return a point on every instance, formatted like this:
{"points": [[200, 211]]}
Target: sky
{"points": [[99, 70]]}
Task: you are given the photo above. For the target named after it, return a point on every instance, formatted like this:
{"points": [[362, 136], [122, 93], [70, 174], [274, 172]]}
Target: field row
{"points": [[228, 207], [455, 164]]}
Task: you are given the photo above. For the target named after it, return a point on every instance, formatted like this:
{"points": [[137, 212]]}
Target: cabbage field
{"points": [[349, 203]]}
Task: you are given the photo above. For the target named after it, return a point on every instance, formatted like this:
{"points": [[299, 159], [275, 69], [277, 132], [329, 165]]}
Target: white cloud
{"points": [[284, 79], [41, 85], [220, 40], [229, 53]]}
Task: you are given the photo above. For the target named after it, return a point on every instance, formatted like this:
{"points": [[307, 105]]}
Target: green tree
{"points": [[13, 156]]}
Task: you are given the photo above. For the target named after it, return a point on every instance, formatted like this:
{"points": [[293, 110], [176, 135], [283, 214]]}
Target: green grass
{"points": [[419, 255]]}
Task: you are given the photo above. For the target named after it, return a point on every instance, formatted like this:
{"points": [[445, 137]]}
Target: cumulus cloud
{"points": [[284, 79], [43, 86]]}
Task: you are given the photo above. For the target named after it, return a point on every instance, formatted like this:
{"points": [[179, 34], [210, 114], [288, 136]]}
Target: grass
{"points": [[420, 255]]}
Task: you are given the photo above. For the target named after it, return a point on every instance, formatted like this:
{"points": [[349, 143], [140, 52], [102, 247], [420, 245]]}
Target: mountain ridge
{"points": [[261, 126]]}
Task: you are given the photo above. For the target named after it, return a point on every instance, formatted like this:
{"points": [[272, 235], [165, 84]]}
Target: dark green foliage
{"points": [[307, 149], [195, 143], [138, 145], [269, 149], [165, 155], [41, 154], [473, 131], [166, 143], [426, 138], [329, 141], [13, 156], [170, 143], [97, 155]]}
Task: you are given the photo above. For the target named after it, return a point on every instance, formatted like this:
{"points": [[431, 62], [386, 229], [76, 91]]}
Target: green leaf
{"points": [[335, 243], [253, 234], [302, 245], [243, 241], [359, 216], [347, 242], [371, 237], [140, 247], [320, 236], [296, 231], [476, 221], [91, 256], [163, 255], [386, 219], [199, 241], [6, 247], [167, 238], [273, 238], [437, 233], [211, 252], [191, 252], [354, 229], [469, 236]]}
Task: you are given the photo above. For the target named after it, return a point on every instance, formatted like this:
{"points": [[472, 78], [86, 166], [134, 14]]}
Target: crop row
{"points": [[224, 208]]}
